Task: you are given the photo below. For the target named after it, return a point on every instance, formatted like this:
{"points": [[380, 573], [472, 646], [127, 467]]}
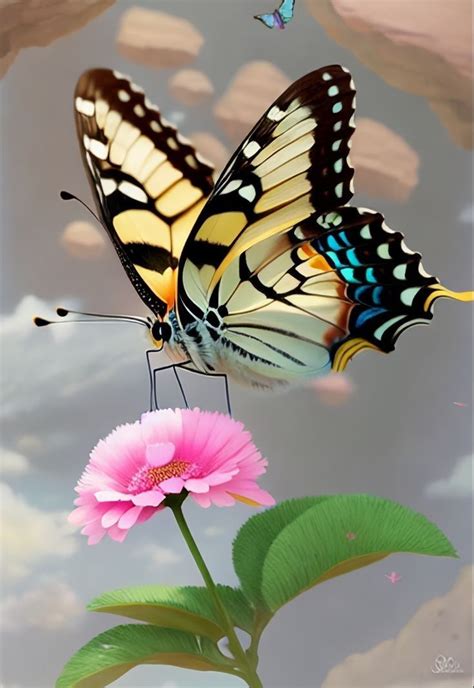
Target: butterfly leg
{"points": [[180, 386], [226, 383], [151, 377]]}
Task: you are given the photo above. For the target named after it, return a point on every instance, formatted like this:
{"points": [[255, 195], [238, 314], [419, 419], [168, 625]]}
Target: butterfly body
{"points": [[269, 275]]}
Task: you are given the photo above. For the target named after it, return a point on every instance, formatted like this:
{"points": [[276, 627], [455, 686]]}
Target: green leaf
{"points": [[112, 653], [255, 537], [186, 608], [304, 543]]}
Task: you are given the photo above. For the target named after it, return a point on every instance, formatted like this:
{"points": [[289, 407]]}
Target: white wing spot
{"points": [[119, 75], [99, 149], [337, 126], [172, 144], [133, 191], [339, 190], [183, 140], [204, 160], [155, 126], [85, 107], [275, 114], [139, 111], [407, 296], [232, 186], [251, 148], [400, 272], [86, 140], [108, 186], [123, 96], [327, 76], [333, 91], [383, 251], [248, 192], [405, 248]]}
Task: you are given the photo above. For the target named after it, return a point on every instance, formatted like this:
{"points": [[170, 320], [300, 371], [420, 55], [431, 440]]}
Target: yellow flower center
{"points": [[174, 469]]}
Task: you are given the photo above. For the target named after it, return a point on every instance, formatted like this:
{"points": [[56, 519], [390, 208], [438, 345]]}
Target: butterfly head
{"points": [[160, 332]]}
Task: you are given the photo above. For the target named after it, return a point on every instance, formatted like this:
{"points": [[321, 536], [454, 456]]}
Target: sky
{"points": [[405, 433]]}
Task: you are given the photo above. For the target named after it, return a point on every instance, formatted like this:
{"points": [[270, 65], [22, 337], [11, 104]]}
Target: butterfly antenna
{"points": [[90, 318], [67, 196], [64, 312]]}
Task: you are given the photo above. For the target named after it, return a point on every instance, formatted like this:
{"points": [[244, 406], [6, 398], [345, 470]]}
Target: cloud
{"points": [[458, 484], [29, 535], [12, 462], [68, 359], [52, 605], [440, 626], [158, 556]]}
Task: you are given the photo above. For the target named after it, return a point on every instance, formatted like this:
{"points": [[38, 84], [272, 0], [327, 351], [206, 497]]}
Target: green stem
{"points": [[246, 667]]}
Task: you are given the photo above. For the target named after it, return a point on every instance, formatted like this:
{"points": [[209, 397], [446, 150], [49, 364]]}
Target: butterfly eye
{"points": [[161, 331]]}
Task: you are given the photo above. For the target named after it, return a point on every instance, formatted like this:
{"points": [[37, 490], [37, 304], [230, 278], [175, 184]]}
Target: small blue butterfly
{"points": [[280, 17]]}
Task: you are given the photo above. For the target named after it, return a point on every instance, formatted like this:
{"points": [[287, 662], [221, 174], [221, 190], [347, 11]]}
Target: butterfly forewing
{"points": [[293, 164], [149, 183]]}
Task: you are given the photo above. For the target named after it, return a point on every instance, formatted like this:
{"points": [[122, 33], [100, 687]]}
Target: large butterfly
{"points": [[269, 277]]}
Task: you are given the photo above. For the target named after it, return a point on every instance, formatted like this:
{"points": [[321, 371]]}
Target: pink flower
{"points": [[131, 472]]}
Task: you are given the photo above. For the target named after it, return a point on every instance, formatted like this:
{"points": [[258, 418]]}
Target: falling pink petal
{"points": [[459, 403], [393, 577], [351, 536], [334, 389]]}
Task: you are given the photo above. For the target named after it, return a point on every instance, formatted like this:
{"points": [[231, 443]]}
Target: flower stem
{"points": [[251, 676]]}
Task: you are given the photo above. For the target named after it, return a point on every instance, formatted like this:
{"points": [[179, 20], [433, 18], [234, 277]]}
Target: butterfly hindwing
{"points": [[334, 285], [293, 164], [148, 182]]}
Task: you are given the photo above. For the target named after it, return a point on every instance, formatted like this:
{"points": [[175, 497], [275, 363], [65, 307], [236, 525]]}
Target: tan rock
{"points": [[421, 47], [211, 148], [32, 23], [441, 626], [385, 165], [253, 89], [334, 389], [190, 87], [157, 39], [83, 240]]}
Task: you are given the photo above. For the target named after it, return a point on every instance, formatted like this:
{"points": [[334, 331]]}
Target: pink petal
{"points": [[112, 496], [196, 485], [113, 515], [130, 517], [81, 516], [148, 498], [96, 538], [222, 498], [160, 454], [202, 499], [256, 495], [219, 478], [172, 485], [117, 534]]}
